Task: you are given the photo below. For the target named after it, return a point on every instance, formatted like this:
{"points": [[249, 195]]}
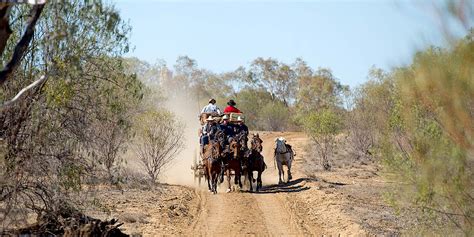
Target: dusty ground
{"points": [[345, 201], [166, 209]]}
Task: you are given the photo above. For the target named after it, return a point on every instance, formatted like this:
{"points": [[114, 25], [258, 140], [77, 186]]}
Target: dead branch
{"points": [[22, 91]]}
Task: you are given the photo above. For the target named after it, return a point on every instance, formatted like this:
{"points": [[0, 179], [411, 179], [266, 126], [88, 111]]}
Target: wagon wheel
{"points": [[195, 168]]}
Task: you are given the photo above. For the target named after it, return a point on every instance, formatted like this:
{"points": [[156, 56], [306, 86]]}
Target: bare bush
{"points": [[359, 124], [160, 138]]}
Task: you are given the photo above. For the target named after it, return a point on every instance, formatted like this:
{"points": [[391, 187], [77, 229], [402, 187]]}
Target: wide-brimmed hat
{"points": [[212, 100], [225, 117], [231, 102]]}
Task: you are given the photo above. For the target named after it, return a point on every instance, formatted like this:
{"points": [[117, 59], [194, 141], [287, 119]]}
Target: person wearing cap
{"points": [[231, 108], [208, 132], [211, 108]]}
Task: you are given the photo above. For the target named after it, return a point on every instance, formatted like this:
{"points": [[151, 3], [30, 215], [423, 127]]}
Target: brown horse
{"points": [[256, 162], [234, 162], [212, 161], [256, 143]]}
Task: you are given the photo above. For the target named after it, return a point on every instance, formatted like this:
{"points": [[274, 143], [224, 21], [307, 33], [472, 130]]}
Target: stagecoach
{"points": [[197, 167]]}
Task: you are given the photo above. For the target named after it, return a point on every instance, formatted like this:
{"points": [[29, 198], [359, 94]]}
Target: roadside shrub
{"points": [[322, 127], [159, 140]]}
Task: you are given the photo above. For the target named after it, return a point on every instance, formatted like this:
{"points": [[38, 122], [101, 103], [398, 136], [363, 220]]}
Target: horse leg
{"points": [[280, 172], [228, 179], [259, 181], [289, 169], [207, 174], [251, 179], [245, 174], [221, 174], [214, 182], [249, 174], [238, 176]]}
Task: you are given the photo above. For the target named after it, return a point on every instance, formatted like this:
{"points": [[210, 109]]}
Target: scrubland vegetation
{"points": [[70, 132]]}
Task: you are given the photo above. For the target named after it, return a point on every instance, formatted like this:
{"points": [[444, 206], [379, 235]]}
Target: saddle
{"points": [[288, 149]]}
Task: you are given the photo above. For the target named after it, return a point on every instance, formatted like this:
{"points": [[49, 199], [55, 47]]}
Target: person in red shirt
{"points": [[231, 108]]}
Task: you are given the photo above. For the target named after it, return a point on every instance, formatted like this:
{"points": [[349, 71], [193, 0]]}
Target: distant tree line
{"points": [[274, 96]]}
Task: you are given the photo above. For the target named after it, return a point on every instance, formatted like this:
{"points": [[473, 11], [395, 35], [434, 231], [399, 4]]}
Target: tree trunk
{"points": [[22, 45]]}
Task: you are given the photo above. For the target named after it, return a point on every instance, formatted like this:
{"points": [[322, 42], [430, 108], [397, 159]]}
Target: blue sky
{"points": [[345, 36]]}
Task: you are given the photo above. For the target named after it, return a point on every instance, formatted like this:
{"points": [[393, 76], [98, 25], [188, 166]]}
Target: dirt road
{"points": [[344, 201], [261, 213]]}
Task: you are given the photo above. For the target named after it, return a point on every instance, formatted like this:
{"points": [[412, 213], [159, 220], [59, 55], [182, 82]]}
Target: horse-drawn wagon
{"points": [[229, 155], [198, 167]]}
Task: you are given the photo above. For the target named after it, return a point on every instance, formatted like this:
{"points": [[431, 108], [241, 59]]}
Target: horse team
{"points": [[238, 160]]}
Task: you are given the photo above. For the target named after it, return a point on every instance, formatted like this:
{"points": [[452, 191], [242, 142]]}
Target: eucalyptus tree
{"points": [[55, 138]]}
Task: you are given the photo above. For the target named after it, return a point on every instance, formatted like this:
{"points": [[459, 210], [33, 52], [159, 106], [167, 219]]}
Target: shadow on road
{"points": [[290, 187]]}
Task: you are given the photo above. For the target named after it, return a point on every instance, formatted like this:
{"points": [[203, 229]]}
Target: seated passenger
{"points": [[227, 128], [211, 108], [231, 108], [208, 132]]}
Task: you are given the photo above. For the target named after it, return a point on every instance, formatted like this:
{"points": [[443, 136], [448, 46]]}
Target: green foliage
{"points": [[274, 116], [273, 76], [423, 117], [65, 132], [322, 123], [318, 90], [323, 126]]}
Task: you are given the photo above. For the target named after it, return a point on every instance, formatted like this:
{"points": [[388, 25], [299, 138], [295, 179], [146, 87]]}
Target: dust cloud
{"points": [[186, 110]]}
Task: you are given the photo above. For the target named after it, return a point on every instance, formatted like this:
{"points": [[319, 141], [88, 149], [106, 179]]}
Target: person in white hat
{"points": [[241, 128], [211, 107], [227, 128], [208, 131]]}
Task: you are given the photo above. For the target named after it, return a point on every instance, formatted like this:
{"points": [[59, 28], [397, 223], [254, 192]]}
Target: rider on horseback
{"points": [[241, 129], [208, 132], [289, 149], [228, 130]]}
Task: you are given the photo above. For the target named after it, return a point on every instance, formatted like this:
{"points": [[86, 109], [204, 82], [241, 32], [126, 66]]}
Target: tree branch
{"points": [[22, 91], [5, 30], [22, 46]]}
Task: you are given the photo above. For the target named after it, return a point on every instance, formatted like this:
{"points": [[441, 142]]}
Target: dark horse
{"points": [[212, 161], [255, 162], [234, 158], [256, 143]]}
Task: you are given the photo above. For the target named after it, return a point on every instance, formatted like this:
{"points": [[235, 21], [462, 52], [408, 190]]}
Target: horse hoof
{"points": [[228, 190]]}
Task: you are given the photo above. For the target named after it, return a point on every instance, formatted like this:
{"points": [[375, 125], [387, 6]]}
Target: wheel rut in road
{"points": [[246, 213]]}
